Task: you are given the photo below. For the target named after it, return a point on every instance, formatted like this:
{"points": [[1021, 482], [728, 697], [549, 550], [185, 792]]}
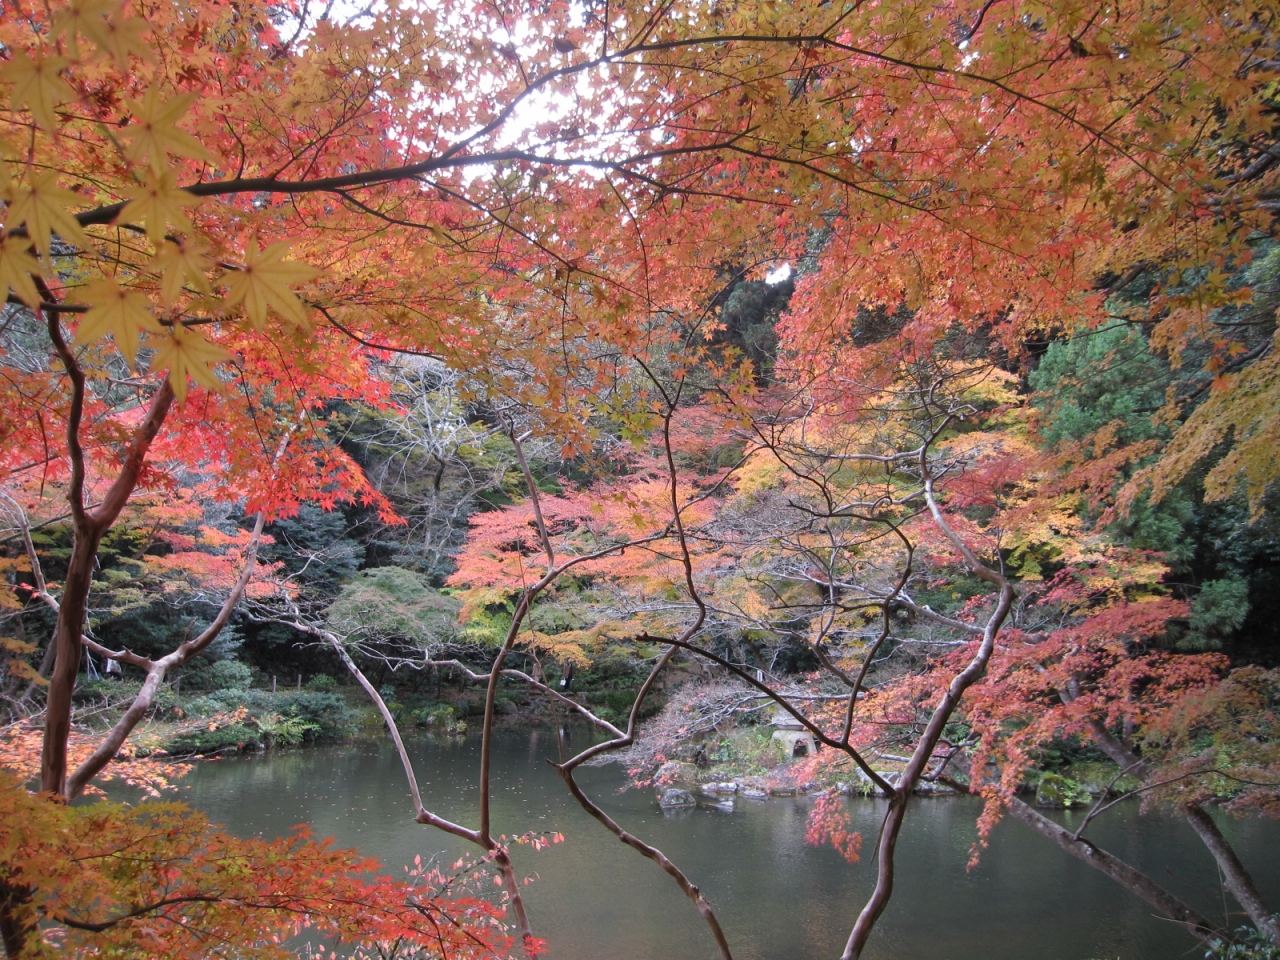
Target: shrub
{"points": [[324, 716], [392, 603], [207, 706], [116, 692], [617, 701], [1055, 790], [221, 675], [1249, 945], [286, 731], [106, 688], [329, 712], [205, 740], [322, 683], [438, 715]]}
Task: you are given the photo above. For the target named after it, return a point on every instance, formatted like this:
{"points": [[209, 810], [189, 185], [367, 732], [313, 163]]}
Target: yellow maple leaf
{"points": [[1217, 279], [156, 202], [37, 86], [264, 282], [45, 207], [177, 262], [119, 311], [187, 354], [155, 131], [123, 36], [81, 18], [16, 269]]}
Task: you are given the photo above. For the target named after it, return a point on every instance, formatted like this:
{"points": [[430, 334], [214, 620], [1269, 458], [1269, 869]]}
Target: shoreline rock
{"points": [[673, 797]]}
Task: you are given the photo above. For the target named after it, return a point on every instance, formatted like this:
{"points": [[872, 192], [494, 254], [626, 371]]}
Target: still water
{"points": [[777, 898]]}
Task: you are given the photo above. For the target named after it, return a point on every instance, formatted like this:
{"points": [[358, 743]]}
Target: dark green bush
{"points": [[117, 691], [322, 683], [328, 712], [220, 675], [439, 716], [202, 741], [207, 706]]}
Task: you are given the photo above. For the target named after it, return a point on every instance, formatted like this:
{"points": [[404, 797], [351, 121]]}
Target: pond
{"points": [[777, 897]]}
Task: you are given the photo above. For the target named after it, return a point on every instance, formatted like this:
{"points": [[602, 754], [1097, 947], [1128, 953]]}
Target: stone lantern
{"points": [[795, 738]]}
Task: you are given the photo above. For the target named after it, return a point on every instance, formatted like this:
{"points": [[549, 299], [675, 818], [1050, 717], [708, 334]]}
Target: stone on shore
{"points": [[675, 797]]}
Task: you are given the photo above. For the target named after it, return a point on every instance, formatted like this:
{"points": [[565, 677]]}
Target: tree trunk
{"points": [[17, 920], [1234, 876], [924, 748], [66, 664], [1133, 880], [89, 528]]}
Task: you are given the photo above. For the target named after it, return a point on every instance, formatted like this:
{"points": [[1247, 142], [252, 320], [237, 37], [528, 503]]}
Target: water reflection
{"points": [[777, 898]]}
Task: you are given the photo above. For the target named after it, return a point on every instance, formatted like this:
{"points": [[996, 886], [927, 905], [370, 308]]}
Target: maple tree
{"points": [[832, 521], [1080, 654], [668, 528], [223, 219], [158, 879]]}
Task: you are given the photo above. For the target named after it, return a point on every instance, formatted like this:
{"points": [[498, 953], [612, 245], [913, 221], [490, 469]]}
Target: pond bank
{"points": [[744, 763], [754, 763]]}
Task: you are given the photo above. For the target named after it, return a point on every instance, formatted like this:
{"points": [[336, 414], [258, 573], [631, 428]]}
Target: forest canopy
{"points": [[910, 366]]}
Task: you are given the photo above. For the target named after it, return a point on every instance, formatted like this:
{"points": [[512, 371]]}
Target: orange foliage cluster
{"points": [[159, 880], [20, 754], [222, 219]]}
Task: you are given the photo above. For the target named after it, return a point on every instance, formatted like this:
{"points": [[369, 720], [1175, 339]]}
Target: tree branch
{"points": [[111, 744]]}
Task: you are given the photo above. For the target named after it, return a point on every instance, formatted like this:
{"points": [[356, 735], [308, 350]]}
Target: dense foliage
{"points": [[908, 366]]}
